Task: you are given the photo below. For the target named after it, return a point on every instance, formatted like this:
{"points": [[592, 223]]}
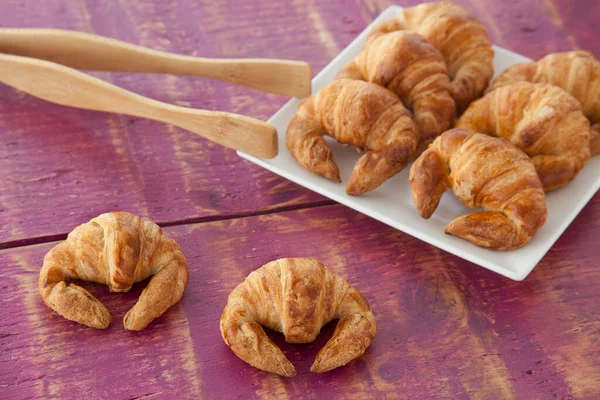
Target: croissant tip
{"points": [[96, 326], [426, 214], [333, 175], [97, 323], [131, 323], [107, 323], [134, 327], [318, 367], [453, 228], [353, 188], [129, 328], [286, 370], [352, 191], [316, 370]]}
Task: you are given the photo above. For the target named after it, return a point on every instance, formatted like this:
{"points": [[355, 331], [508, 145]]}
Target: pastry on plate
{"points": [[116, 249], [462, 40], [360, 114], [542, 120], [415, 70], [483, 172], [577, 72], [296, 296]]}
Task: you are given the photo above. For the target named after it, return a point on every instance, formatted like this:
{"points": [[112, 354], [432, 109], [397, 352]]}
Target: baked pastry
{"points": [[486, 172], [462, 40], [542, 120], [359, 114], [296, 296], [577, 72], [415, 70], [116, 249], [595, 138]]}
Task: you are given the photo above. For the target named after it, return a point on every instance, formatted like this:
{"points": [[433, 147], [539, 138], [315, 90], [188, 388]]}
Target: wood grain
{"points": [[447, 328]]}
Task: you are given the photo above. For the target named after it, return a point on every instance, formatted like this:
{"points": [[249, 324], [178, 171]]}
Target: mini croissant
{"points": [[116, 249], [415, 70], [487, 172], [542, 120], [360, 114], [462, 40], [296, 296], [577, 72]]}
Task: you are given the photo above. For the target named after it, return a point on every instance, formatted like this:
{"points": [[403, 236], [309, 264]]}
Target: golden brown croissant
{"points": [[360, 114], [542, 120], [577, 72], [486, 172], [411, 67], [462, 40], [296, 296], [116, 249]]}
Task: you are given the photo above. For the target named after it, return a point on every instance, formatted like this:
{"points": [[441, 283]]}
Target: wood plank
{"points": [[447, 328]]}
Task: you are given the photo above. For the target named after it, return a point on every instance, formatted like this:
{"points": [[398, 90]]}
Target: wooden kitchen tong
{"points": [[41, 62]]}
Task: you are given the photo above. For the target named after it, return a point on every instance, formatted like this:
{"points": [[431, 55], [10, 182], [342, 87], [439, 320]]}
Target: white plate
{"points": [[391, 203]]}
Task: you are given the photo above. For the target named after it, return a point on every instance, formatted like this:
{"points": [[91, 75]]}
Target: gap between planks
{"points": [[11, 244]]}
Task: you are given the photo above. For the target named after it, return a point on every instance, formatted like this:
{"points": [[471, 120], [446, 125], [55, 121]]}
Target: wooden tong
{"points": [[32, 63]]}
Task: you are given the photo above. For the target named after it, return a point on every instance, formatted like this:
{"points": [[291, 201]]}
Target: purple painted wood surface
{"points": [[447, 328]]}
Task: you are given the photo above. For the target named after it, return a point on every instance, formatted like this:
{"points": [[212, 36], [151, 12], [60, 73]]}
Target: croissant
{"points": [[542, 120], [486, 172], [296, 296], [411, 67], [360, 114], [577, 72], [595, 138], [116, 249], [462, 40]]}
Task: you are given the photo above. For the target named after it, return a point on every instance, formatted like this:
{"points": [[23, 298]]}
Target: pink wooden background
{"points": [[448, 329]]}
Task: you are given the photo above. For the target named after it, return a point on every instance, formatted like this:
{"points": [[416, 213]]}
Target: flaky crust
{"points": [[360, 114], [577, 72], [415, 70], [462, 40], [296, 296], [485, 172], [541, 119], [116, 249]]}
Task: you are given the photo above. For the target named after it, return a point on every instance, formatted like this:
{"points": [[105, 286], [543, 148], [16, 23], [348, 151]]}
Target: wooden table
{"points": [[448, 328]]}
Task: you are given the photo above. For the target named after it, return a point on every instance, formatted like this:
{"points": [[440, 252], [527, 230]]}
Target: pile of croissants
{"points": [[424, 72]]}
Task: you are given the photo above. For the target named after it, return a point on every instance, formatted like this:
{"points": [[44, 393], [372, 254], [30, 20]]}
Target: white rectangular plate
{"points": [[391, 203]]}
